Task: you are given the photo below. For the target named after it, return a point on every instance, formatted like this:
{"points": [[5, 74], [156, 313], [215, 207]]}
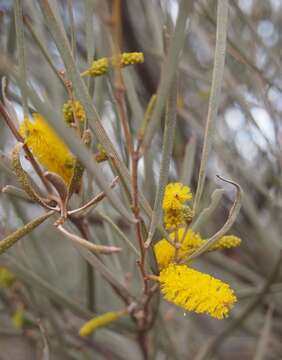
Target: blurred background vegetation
{"points": [[246, 147]]}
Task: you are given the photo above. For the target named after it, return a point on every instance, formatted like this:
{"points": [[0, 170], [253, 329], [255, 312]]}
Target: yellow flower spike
{"points": [[130, 58], [47, 147], [189, 242], [102, 66], [99, 321], [173, 218], [187, 214], [196, 291], [18, 318], [176, 194], [226, 242], [7, 278], [72, 108], [164, 252], [99, 67]]}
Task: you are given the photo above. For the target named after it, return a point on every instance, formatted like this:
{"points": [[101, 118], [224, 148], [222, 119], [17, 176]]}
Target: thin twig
{"points": [[98, 249], [93, 201]]}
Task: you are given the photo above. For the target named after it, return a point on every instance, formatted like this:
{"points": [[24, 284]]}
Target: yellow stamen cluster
{"points": [[102, 66], [99, 67], [72, 110], [18, 318], [176, 213], [176, 194], [180, 284], [99, 321], [195, 291], [226, 242], [173, 218], [127, 59], [47, 147], [7, 278], [187, 242]]}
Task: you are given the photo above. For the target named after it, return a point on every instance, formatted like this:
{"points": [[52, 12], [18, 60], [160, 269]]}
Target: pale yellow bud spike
{"points": [[102, 66], [226, 242], [125, 59], [99, 321], [18, 318], [7, 278], [99, 67], [72, 110]]}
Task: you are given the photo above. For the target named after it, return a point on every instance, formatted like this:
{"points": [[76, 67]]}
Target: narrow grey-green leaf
{"points": [[206, 214], [263, 342], [169, 68], [168, 139], [42, 285], [217, 78], [232, 216], [21, 51], [103, 270], [188, 162]]}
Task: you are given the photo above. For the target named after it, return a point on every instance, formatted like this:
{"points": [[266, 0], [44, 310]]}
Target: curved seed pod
{"points": [[11, 239], [23, 177]]}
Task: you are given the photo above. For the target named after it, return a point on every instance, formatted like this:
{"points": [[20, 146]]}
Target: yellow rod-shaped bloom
{"points": [[226, 242], [188, 242], [173, 218], [102, 66], [47, 147], [196, 291], [176, 194], [99, 321], [7, 278], [125, 59], [99, 67], [72, 109], [18, 318]]}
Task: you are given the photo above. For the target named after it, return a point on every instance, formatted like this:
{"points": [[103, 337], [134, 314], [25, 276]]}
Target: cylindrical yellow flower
{"points": [[226, 242], [125, 59], [73, 109], [173, 218], [196, 291], [47, 147], [99, 321], [99, 67], [18, 318], [188, 241], [165, 252], [176, 194], [7, 278], [103, 65]]}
